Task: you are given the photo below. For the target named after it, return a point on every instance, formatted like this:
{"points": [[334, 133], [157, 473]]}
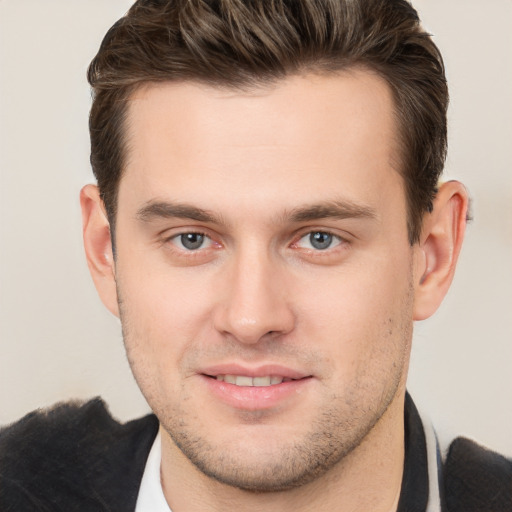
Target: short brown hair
{"points": [[240, 43]]}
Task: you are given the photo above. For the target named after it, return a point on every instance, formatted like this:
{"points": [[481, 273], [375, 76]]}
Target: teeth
{"points": [[261, 381], [243, 380], [231, 379]]}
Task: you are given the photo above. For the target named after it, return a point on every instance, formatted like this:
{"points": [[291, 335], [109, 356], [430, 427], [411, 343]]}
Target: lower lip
{"points": [[252, 398]]}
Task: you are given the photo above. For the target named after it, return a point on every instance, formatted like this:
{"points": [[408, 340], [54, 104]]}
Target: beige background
{"points": [[56, 339]]}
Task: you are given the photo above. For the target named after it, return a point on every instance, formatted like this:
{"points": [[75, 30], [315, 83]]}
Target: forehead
{"points": [[294, 140]]}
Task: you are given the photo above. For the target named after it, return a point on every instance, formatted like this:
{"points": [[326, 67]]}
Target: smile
{"points": [[256, 389], [246, 381]]}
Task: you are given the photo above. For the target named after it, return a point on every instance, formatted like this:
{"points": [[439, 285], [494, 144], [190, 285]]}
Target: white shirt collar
{"points": [[151, 495], [433, 465]]}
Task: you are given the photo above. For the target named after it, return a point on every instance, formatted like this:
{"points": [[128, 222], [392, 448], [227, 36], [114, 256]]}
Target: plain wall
{"points": [[56, 339]]}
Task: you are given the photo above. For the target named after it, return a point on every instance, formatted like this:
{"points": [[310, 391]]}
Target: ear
{"points": [[98, 246], [439, 248]]}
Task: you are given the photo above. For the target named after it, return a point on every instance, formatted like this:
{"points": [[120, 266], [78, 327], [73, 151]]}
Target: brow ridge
{"points": [[155, 209], [332, 209], [167, 210]]}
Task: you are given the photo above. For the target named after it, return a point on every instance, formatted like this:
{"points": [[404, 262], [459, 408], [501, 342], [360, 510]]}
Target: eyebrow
{"points": [[329, 209], [166, 210], [332, 209]]}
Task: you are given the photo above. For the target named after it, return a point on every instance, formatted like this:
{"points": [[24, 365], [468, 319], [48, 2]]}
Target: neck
{"points": [[369, 478]]}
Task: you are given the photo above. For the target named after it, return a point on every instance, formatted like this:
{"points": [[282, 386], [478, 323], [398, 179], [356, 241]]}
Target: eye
{"points": [[191, 241], [319, 241]]}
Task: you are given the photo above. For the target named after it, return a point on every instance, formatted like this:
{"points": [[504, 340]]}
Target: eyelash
{"points": [[333, 239], [177, 239]]}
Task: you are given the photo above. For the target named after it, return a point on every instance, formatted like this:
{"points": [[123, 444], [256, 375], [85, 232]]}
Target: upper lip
{"points": [[253, 371]]}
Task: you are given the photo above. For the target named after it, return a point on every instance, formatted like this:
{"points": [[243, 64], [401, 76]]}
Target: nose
{"points": [[254, 304]]}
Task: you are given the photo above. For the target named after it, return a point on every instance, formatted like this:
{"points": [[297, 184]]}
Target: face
{"points": [[263, 271]]}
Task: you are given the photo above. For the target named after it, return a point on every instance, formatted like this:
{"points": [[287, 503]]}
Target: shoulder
{"points": [[72, 452], [476, 478]]}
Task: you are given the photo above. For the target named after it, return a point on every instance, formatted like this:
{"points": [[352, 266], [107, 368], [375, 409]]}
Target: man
{"points": [[267, 224]]}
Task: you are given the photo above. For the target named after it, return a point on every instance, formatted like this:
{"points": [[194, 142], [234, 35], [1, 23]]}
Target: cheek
{"points": [[360, 313], [160, 323], [163, 314], [160, 296]]}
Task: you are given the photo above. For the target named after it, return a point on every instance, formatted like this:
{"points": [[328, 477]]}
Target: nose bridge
{"points": [[256, 301]]}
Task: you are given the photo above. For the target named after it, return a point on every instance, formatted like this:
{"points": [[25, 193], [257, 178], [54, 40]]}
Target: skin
{"points": [[255, 173]]}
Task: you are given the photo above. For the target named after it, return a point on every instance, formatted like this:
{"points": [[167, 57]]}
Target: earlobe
{"points": [[439, 248], [98, 246]]}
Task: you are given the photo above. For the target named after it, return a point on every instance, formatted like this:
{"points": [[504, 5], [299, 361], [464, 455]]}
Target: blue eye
{"points": [[191, 241], [319, 240]]}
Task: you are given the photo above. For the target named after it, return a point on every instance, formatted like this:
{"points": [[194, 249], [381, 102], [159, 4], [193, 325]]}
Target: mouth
{"points": [[248, 381], [255, 389]]}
